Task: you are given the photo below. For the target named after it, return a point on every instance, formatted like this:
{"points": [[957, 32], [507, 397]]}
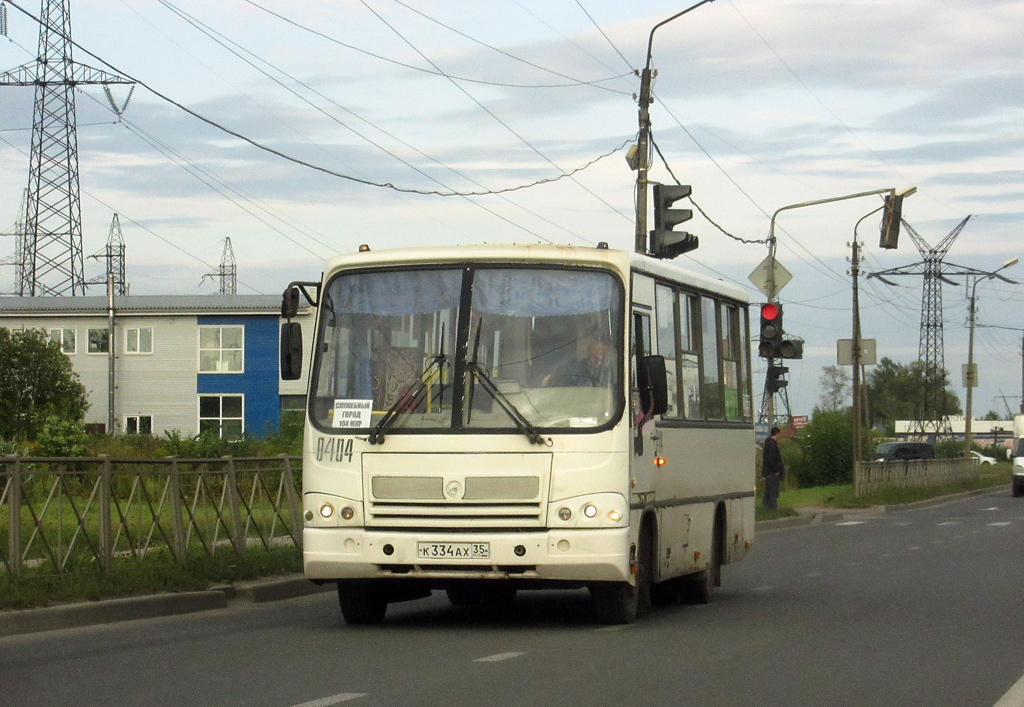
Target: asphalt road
{"points": [[919, 607]]}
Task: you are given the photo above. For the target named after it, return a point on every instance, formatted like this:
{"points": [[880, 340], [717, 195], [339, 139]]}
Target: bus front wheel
{"points": [[360, 604], [621, 602]]}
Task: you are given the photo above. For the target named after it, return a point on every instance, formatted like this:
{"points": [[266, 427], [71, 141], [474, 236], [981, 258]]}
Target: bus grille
{"points": [[456, 490]]}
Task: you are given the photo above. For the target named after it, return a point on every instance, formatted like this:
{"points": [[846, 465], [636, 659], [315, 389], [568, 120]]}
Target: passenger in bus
{"points": [[593, 370], [772, 469]]}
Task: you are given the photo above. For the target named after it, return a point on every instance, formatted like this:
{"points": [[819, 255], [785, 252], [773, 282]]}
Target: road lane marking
{"points": [[852, 522], [1000, 524], [950, 522], [332, 700], [618, 627], [498, 657], [1014, 697], [993, 508]]}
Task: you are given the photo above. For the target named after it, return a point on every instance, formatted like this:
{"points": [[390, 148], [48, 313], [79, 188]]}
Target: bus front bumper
{"points": [[590, 555]]}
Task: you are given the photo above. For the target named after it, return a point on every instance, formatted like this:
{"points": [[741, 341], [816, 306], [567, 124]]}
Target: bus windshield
{"points": [[469, 348]]}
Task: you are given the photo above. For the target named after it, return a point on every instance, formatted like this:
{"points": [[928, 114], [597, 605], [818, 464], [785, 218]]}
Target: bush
{"points": [[61, 437], [827, 446]]}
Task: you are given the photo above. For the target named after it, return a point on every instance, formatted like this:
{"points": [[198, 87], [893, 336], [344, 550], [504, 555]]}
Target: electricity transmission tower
{"points": [[932, 417], [227, 271], [51, 253], [114, 256]]}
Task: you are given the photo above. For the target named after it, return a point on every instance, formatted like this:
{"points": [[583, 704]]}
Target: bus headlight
{"points": [[614, 516], [590, 510], [564, 513], [347, 512], [326, 510]]}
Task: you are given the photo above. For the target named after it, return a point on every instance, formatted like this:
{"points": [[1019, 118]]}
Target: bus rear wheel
{"points": [[360, 604]]}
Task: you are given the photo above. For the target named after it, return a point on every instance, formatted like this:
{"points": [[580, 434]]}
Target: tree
{"points": [[897, 392], [36, 381], [835, 388]]}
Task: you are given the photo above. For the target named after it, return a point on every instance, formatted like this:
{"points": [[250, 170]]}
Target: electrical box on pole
{"points": [[665, 242]]}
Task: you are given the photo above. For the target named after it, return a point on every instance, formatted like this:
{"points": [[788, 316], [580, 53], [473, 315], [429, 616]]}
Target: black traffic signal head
{"points": [[892, 213], [791, 348], [771, 330], [666, 243], [774, 381]]}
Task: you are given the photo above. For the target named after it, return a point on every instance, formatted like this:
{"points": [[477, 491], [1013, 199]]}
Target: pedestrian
{"points": [[772, 469]]}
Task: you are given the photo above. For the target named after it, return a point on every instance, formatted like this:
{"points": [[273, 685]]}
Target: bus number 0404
{"points": [[334, 449]]}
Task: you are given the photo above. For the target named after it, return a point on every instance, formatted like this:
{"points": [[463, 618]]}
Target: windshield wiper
{"points": [[411, 398], [477, 370]]}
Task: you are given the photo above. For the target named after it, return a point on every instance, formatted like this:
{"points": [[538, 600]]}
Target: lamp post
{"points": [[773, 292], [971, 378], [644, 137]]}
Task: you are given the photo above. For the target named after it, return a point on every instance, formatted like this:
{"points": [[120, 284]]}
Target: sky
{"points": [[759, 104]]}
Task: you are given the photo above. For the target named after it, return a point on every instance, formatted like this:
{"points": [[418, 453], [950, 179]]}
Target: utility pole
{"points": [[641, 158], [854, 273]]}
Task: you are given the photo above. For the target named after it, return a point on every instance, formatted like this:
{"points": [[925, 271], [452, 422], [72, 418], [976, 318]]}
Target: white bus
{"points": [[487, 419]]}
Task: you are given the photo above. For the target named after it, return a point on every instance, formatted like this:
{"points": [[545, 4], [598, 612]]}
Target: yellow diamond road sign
{"points": [[762, 274]]}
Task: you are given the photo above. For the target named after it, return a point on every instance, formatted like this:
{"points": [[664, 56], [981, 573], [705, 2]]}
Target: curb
{"points": [[840, 514], [51, 618]]}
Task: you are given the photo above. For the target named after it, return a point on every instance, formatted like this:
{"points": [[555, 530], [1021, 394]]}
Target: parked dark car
{"points": [[902, 451]]}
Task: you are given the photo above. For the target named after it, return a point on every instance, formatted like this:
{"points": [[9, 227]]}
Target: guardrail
{"points": [[871, 476], [58, 513]]}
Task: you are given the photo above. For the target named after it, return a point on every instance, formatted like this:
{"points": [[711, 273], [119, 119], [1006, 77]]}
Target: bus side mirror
{"points": [[653, 381], [290, 302], [291, 351]]}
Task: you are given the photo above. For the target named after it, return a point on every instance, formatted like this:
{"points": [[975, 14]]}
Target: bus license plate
{"points": [[454, 551]]}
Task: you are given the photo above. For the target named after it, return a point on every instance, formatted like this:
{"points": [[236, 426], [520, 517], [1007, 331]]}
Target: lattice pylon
{"points": [[53, 262]]}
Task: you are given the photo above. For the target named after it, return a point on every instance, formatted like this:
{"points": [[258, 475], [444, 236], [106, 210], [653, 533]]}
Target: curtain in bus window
{"points": [[711, 383], [542, 293], [397, 293]]}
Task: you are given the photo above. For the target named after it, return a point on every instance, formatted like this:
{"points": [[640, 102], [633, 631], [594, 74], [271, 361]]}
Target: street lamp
{"points": [[639, 158], [773, 292], [971, 377]]}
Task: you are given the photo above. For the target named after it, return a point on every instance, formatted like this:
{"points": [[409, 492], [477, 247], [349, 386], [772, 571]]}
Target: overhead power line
{"points": [[435, 72], [319, 168]]}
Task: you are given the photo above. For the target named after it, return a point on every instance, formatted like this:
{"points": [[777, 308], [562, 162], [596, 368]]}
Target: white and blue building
{"points": [[155, 364]]}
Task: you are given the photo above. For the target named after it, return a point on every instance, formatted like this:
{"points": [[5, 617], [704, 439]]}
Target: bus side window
{"points": [[668, 344]]}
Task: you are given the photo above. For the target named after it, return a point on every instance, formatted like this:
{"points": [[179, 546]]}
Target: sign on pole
{"points": [[844, 352], [761, 277]]}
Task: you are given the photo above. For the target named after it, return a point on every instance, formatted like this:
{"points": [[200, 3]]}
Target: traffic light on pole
{"points": [[771, 330], [892, 214], [666, 243], [774, 381]]}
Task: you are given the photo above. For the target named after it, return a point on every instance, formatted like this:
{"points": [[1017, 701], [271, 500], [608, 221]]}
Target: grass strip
{"points": [[153, 575]]}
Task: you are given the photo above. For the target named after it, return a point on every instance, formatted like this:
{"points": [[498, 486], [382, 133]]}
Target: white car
{"points": [[982, 459]]}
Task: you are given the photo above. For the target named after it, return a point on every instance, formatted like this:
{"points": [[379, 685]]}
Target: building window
{"points": [[221, 349], [66, 339], [99, 341], [138, 341], [138, 425], [221, 415]]}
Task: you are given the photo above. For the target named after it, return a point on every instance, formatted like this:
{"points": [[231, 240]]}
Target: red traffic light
{"points": [[769, 312]]}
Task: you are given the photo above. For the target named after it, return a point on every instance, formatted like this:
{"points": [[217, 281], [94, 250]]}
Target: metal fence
{"points": [[62, 514], [871, 476]]}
